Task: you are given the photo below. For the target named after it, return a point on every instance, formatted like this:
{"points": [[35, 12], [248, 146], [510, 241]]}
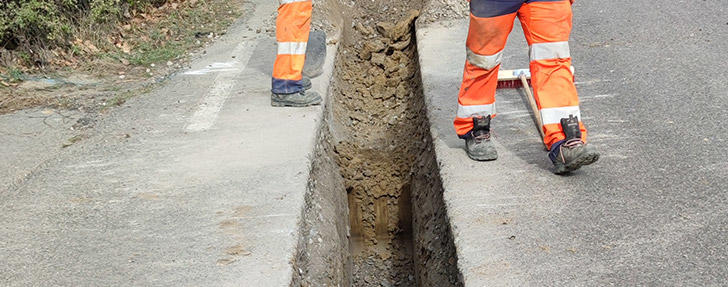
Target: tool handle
{"points": [[532, 102]]}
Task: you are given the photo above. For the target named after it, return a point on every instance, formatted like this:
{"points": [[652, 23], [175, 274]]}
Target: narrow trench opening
{"points": [[374, 212], [378, 108]]}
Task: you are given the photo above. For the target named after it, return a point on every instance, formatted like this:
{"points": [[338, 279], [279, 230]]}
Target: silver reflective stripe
{"points": [[484, 61], [479, 110], [545, 51], [554, 115], [291, 48], [291, 1]]}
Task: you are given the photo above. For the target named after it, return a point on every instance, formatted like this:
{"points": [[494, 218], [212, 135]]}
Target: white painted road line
{"points": [[222, 88], [213, 68]]}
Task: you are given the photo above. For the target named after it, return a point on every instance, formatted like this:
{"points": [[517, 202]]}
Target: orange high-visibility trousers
{"points": [[547, 26], [292, 27]]}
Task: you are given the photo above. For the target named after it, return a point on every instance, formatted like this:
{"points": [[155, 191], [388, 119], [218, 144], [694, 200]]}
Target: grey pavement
{"points": [[199, 183], [32, 138], [653, 210]]}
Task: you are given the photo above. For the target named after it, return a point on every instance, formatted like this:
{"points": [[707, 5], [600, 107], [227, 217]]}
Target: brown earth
{"points": [[378, 114], [106, 65]]}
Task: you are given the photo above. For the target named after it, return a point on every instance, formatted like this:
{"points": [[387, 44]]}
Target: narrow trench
{"points": [[376, 105], [375, 189]]}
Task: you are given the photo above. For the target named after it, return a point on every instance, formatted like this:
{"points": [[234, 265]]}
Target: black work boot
{"points": [[478, 144], [300, 99], [571, 153]]}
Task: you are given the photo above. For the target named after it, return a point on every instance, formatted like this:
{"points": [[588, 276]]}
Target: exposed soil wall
{"points": [[378, 159], [435, 252], [375, 143], [323, 256]]}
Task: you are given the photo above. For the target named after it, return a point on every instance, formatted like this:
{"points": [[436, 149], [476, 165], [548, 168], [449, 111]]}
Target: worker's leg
{"points": [[292, 28], [490, 23], [547, 26]]}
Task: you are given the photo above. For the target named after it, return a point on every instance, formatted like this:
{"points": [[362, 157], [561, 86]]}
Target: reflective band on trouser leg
{"points": [[477, 90], [554, 115], [485, 62], [292, 48], [292, 28], [552, 50], [551, 119], [547, 25], [556, 95], [466, 113], [486, 39], [475, 111]]}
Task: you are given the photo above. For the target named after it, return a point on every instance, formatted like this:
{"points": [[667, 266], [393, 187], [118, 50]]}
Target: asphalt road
{"points": [[653, 211], [666, 63]]}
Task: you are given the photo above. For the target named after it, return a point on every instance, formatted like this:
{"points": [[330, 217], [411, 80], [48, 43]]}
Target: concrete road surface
{"points": [[199, 183]]}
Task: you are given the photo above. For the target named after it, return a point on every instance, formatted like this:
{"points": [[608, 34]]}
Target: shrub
{"points": [[48, 23]]}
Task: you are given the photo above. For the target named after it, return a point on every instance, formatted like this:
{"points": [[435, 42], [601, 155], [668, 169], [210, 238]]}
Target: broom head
{"points": [[510, 79]]}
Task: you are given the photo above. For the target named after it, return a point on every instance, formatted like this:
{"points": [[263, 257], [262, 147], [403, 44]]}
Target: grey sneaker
{"points": [[571, 153], [300, 99], [478, 144]]}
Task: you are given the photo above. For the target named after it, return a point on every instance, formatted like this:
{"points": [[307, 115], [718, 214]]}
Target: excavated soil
{"points": [[375, 156], [375, 110]]}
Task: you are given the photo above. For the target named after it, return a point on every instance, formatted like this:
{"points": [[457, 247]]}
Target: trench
{"points": [[374, 213]]}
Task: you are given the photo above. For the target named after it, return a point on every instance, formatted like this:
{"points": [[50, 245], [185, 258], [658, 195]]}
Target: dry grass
{"points": [[113, 61]]}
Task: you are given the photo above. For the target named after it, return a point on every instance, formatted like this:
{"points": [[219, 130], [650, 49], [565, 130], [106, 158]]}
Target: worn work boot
{"points": [[478, 145], [571, 153], [301, 99], [306, 83]]}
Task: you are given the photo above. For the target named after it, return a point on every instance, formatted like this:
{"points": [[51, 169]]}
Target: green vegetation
{"points": [[153, 30], [149, 54], [114, 41], [48, 23], [15, 74]]}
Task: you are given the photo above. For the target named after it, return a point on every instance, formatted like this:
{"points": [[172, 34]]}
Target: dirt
{"points": [[376, 82], [435, 254], [439, 10], [106, 66], [376, 146], [389, 264], [327, 16], [322, 257], [380, 131]]}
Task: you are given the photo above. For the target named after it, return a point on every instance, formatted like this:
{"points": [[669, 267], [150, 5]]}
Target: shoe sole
{"points": [[294, 104], [585, 159], [487, 157]]}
